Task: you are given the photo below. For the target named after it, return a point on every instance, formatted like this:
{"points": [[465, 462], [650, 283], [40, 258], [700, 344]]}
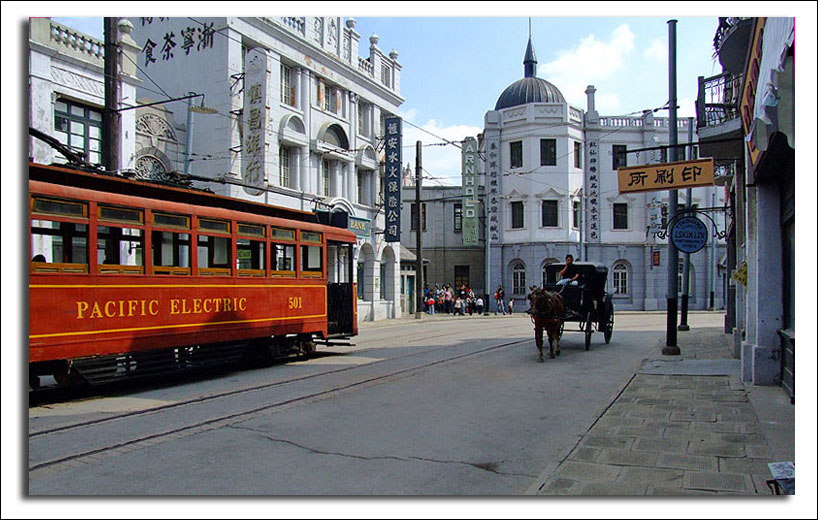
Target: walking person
{"points": [[457, 306], [511, 306], [499, 298], [479, 305]]}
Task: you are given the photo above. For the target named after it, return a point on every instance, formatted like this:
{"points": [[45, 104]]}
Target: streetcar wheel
{"points": [[588, 331], [609, 326]]}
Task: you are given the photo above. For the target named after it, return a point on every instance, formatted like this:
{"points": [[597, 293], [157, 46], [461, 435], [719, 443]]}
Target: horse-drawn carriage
{"points": [[587, 303]]}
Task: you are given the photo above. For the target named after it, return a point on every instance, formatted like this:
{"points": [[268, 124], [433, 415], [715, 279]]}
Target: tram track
{"points": [[95, 429], [57, 392]]}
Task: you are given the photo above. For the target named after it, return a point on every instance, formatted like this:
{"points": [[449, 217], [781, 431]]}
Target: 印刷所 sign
{"points": [[667, 176]]}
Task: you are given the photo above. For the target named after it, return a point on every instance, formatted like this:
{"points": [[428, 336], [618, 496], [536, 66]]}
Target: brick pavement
{"points": [[683, 425]]}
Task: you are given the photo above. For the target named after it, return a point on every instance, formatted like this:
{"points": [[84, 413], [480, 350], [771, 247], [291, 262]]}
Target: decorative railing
{"points": [[620, 121], [366, 67], [296, 23], [718, 99], [576, 114], [77, 41]]}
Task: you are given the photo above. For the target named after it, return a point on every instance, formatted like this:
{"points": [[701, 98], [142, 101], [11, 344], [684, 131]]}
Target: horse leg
{"points": [[538, 339], [557, 330], [550, 343]]}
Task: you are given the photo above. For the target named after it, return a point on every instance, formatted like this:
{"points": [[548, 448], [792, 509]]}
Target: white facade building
{"points": [[67, 91], [549, 172], [298, 124]]}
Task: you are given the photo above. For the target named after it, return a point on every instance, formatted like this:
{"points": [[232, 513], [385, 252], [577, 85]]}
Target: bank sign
{"points": [[360, 226], [468, 156], [689, 234]]}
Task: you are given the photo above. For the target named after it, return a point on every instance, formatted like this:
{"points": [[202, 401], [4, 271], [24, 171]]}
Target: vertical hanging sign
{"points": [[393, 137], [469, 170], [592, 191], [254, 139], [492, 187]]}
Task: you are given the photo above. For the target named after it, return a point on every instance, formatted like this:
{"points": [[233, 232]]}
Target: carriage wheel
{"points": [[609, 326], [588, 331]]}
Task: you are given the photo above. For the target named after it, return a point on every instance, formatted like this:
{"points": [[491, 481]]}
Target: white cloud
{"points": [[657, 50], [589, 61], [607, 103], [440, 162]]}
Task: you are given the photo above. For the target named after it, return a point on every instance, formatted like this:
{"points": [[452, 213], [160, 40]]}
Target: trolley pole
{"points": [[418, 230], [671, 348]]}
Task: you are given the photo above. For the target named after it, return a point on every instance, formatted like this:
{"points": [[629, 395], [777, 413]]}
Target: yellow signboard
{"points": [[666, 176]]}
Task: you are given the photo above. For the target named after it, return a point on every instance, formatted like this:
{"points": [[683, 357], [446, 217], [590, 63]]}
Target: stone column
{"points": [[295, 168]]}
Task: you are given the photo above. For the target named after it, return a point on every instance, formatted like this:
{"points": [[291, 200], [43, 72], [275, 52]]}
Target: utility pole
{"points": [[110, 117], [671, 347], [418, 230], [686, 273]]}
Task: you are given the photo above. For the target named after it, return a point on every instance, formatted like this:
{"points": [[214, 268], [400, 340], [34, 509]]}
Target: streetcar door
{"points": [[339, 289]]}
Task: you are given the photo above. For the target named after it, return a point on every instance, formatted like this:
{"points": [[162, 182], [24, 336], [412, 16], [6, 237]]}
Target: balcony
{"points": [[731, 41], [717, 115]]}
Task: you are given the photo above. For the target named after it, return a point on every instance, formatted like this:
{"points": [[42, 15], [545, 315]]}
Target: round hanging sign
{"points": [[689, 234]]}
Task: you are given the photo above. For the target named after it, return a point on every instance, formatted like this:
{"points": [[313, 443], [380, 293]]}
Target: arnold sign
{"points": [[666, 176]]}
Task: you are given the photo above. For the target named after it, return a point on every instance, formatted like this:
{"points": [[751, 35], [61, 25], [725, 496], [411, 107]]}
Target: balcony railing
{"points": [[718, 99]]}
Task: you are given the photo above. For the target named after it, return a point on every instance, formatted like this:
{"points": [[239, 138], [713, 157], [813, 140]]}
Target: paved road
{"points": [[444, 407]]}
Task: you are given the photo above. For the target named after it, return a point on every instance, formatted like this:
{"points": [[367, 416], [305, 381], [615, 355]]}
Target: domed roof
{"points": [[530, 89]]}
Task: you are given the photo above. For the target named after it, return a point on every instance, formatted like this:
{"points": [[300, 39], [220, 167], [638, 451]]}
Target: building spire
{"points": [[530, 60]]}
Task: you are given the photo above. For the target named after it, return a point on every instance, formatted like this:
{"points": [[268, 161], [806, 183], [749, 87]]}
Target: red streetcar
{"points": [[133, 278]]}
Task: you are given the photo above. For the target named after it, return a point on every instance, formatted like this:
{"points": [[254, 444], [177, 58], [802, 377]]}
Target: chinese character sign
{"points": [[592, 191], [393, 138], [468, 156], [666, 176], [197, 36], [254, 140], [493, 186]]}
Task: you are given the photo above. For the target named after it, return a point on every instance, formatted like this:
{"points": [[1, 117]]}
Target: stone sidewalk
{"points": [[683, 425]]}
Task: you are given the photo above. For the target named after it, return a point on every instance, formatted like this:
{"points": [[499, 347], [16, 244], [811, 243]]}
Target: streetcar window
{"points": [[311, 260], [168, 220], [59, 207], [283, 259], [214, 225], [250, 257], [214, 255], [308, 236], [119, 249], [131, 215], [171, 252], [282, 234], [62, 243], [251, 230]]}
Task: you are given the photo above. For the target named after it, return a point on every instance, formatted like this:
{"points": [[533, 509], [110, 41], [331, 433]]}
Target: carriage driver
{"points": [[569, 273]]}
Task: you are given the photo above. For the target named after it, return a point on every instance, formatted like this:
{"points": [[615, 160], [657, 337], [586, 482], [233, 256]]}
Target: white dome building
{"points": [[549, 173]]}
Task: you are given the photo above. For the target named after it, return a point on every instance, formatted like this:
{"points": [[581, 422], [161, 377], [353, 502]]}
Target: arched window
{"points": [[518, 278], [620, 278]]}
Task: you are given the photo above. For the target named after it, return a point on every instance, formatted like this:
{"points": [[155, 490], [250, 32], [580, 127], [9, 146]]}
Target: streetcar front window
{"points": [[171, 253], [250, 259], [119, 249], [214, 255], [63, 244], [283, 259], [311, 264]]}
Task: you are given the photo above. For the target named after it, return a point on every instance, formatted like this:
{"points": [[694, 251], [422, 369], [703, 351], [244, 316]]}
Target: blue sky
{"points": [[454, 68]]}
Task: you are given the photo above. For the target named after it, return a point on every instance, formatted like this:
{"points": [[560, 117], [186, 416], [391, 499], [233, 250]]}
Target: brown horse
{"points": [[546, 312]]}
